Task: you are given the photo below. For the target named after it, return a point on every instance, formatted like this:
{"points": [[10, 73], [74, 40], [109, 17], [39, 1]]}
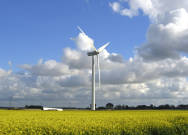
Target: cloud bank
{"points": [[157, 74], [168, 32]]}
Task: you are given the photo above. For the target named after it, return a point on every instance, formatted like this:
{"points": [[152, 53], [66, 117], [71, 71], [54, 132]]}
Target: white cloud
{"points": [[48, 68], [84, 43], [167, 34], [157, 71], [115, 6], [122, 82], [135, 5], [4, 73], [151, 8], [76, 59], [167, 39]]}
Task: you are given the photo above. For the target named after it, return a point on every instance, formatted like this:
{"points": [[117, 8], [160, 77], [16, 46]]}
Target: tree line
{"points": [[143, 107]]}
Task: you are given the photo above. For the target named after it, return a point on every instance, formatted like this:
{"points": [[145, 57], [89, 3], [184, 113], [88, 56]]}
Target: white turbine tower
{"points": [[94, 53]]}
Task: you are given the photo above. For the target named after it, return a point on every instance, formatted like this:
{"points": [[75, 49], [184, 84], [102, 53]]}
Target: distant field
{"points": [[93, 123]]}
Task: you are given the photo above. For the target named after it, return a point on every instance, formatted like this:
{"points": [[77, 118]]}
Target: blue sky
{"points": [[30, 30], [146, 62]]}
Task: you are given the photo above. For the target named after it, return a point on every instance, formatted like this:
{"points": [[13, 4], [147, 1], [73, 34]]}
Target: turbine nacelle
{"points": [[92, 53]]}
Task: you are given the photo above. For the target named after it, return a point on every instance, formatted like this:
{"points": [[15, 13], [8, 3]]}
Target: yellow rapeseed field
{"points": [[37, 122]]}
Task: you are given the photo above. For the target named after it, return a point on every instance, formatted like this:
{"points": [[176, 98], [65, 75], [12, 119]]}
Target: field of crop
{"points": [[93, 123]]}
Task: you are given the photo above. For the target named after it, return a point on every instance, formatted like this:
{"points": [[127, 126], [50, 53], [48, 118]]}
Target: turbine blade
{"points": [[80, 29], [92, 45], [103, 47], [99, 72]]}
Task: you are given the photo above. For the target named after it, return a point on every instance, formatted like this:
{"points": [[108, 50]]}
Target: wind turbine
{"points": [[94, 53]]}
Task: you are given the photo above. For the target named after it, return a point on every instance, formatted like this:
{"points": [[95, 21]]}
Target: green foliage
{"points": [[24, 122]]}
